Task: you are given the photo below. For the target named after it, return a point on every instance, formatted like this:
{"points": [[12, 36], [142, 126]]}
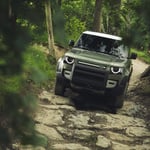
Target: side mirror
{"points": [[71, 43], [133, 56]]}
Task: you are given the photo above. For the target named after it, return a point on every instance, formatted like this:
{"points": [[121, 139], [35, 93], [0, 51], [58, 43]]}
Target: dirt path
{"points": [[68, 127], [138, 68]]}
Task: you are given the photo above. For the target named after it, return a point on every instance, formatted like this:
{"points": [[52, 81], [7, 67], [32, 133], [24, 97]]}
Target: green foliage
{"points": [[41, 140], [144, 10], [78, 15], [37, 31], [10, 84], [143, 55], [76, 26], [128, 19], [136, 24], [37, 67], [111, 17], [39, 34], [17, 104], [58, 24]]}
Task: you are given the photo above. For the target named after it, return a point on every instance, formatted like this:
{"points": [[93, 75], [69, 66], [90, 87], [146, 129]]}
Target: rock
{"points": [[80, 120], [64, 131], [29, 147], [119, 137], [70, 146], [83, 134], [137, 132], [50, 132], [116, 121], [131, 108], [76, 133], [119, 146], [146, 141], [53, 99], [49, 117], [67, 126], [57, 107], [103, 142]]}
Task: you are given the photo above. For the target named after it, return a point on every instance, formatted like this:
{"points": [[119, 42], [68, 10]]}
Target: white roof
{"points": [[109, 36]]}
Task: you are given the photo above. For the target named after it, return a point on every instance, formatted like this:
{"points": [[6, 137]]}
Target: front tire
{"points": [[59, 86], [119, 101], [116, 99]]}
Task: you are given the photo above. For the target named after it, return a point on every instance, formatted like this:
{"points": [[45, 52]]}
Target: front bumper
{"points": [[94, 78]]}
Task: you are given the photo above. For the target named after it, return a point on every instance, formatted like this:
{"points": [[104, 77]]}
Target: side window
{"points": [[79, 42], [124, 51], [82, 41]]}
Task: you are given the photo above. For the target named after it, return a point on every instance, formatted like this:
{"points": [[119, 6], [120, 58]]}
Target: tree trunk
{"points": [[59, 3], [114, 16], [49, 27], [97, 16]]}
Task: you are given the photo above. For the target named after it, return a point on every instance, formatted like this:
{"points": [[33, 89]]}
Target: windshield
{"points": [[102, 45]]}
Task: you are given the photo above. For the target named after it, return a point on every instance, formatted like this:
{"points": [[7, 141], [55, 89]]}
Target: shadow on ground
{"points": [[90, 102]]}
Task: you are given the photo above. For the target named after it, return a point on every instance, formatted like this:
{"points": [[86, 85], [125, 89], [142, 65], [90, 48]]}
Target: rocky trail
{"points": [[75, 125]]}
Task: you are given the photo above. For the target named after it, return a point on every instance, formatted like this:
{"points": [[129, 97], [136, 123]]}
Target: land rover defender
{"points": [[98, 63]]}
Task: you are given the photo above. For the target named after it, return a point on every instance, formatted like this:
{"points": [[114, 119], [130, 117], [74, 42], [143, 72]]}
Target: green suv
{"points": [[98, 63]]}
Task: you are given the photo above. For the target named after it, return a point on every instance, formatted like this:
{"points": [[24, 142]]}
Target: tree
{"points": [[134, 23], [16, 105], [59, 2], [97, 16], [48, 15], [111, 22], [58, 20], [78, 16], [142, 10]]}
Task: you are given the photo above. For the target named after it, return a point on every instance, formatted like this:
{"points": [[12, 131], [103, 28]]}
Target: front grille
{"points": [[89, 77]]}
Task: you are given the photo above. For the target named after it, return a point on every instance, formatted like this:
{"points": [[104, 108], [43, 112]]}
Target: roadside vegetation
{"points": [[38, 67], [143, 55]]}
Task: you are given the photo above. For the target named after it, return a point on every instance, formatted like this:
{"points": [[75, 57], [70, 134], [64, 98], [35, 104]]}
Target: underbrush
{"points": [[38, 70], [18, 92], [143, 55], [38, 67]]}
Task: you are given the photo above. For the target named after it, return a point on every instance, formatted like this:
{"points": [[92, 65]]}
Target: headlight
{"points": [[116, 70], [69, 60], [59, 65]]}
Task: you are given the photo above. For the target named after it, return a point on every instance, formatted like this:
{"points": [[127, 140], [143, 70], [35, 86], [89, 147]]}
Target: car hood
{"points": [[96, 57]]}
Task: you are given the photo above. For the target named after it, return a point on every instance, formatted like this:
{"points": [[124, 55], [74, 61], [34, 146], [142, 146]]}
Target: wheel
{"points": [[116, 99], [59, 86], [119, 99]]}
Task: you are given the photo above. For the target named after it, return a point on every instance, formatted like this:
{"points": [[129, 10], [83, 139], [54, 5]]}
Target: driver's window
{"points": [[124, 51], [85, 41]]}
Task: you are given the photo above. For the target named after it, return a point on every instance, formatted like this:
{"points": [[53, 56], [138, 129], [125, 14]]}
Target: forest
{"points": [[30, 27]]}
